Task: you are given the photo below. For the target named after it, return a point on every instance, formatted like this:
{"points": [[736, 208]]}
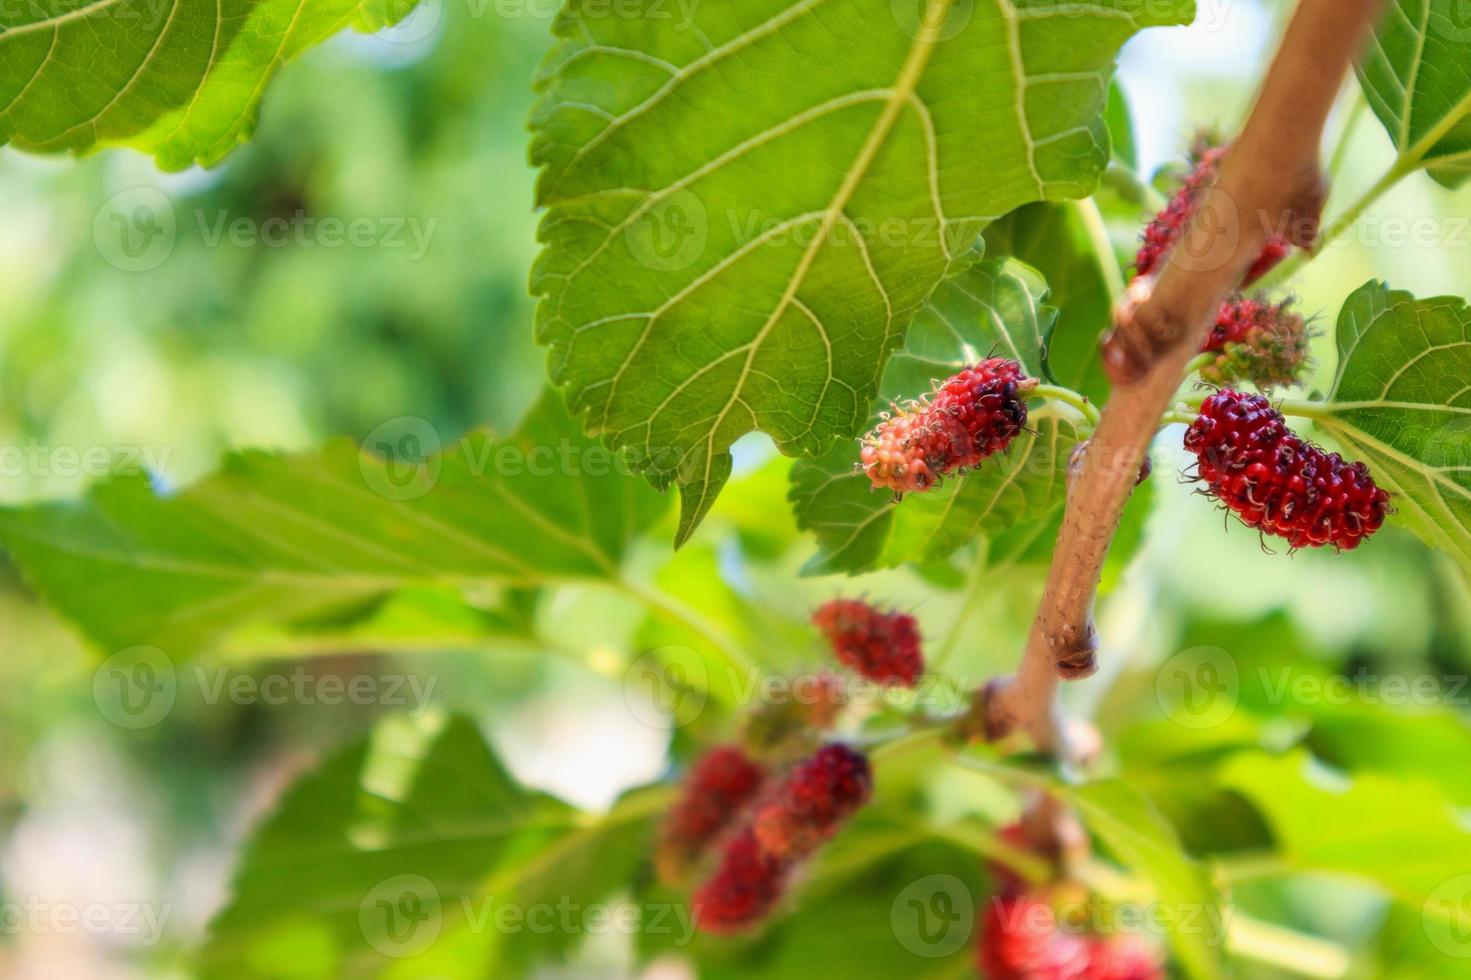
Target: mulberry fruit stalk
{"points": [[882, 646], [972, 415], [814, 800], [1279, 483], [715, 789], [1165, 231]]}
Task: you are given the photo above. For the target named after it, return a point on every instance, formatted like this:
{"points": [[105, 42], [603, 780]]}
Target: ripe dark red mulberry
{"points": [[1277, 482], [716, 788], [814, 800], [882, 646], [744, 889], [1169, 225], [973, 415], [1019, 939], [1257, 341]]}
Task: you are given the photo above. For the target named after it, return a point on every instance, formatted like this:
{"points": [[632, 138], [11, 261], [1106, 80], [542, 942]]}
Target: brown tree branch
{"points": [[1270, 183]]}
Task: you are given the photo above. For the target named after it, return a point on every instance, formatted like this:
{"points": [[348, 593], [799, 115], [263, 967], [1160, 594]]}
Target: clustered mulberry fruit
{"points": [[1277, 482], [715, 789], [882, 646], [1256, 341], [973, 415], [814, 800], [743, 890], [1021, 939], [786, 826], [1165, 230]]}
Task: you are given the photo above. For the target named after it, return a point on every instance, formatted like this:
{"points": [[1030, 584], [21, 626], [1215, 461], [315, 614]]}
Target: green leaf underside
{"points": [[995, 307], [1401, 402], [180, 80], [1417, 77], [744, 214], [402, 838], [273, 538], [1128, 823]]}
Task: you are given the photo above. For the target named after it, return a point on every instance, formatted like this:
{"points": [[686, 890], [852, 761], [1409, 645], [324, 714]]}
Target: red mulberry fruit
{"points": [[1277, 482], [1260, 342], [716, 788], [813, 801], [1161, 234], [1020, 940], [884, 647], [743, 890], [974, 414]]}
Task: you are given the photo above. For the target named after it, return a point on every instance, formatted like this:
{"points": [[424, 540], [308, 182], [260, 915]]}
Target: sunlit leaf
{"points": [[1399, 832], [1402, 403], [1417, 78], [275, 538], [745, 211]]}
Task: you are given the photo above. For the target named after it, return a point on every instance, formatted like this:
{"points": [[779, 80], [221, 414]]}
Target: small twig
{"points": [[1270, 183]]}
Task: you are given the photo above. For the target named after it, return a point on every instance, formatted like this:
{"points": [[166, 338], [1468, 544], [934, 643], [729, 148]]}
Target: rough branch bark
{"points": [[1270, 183]]}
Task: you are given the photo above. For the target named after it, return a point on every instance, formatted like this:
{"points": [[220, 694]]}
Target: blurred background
{"points": [[209, 334]]}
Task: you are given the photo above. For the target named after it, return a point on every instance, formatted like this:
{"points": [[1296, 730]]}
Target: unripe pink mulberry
{"points": [[744, 889], [1277, 482], [1161, 234], [714, 791], [816, 797], [974, 414], [882, 646], [1257, 341]]}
